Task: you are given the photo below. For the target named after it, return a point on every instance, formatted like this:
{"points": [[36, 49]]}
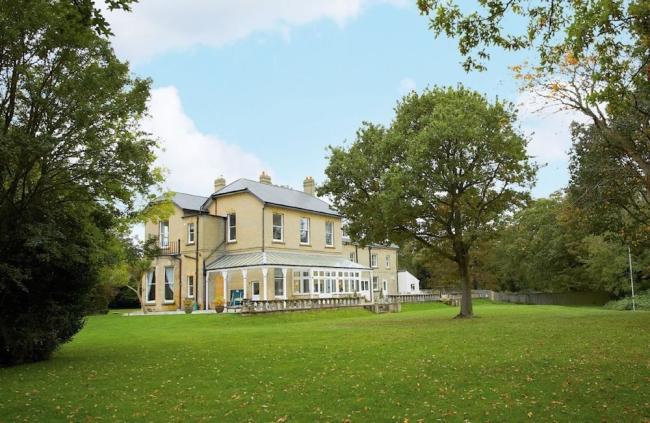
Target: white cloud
{"points": [[156, 26], [406, 85], [193, 159], [550, 128]]}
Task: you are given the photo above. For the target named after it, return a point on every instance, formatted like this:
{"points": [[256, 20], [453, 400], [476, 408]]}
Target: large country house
{"points": [[259, 241]]}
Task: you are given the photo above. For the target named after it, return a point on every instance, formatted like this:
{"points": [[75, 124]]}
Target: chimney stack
{"points": [[308, 185], [265, 179], [219, 183]]}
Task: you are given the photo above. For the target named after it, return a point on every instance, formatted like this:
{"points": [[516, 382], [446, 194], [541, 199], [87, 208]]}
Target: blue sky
{"points": [[239, 89]]}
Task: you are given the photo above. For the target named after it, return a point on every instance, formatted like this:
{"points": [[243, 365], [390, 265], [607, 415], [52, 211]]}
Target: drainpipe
{"points": [[180, 271], [263, 231], [180, 280], [396, 271], [372, 287], [205, 290], [196, 268]]}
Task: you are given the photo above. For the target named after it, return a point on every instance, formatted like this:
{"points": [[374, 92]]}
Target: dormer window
{"points": [[232, 227], [163, 233], [329, 234]]}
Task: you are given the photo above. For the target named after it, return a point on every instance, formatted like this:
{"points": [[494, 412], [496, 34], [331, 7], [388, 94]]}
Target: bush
{"points": [[48, 307], [125, 298], [642, 300], [99, 298]]}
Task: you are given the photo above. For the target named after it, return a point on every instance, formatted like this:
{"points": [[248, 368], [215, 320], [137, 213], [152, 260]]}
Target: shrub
{"points": [[125, 298], [642, 300]]}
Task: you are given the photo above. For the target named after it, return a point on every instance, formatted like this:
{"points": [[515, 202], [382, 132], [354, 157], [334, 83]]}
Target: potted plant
{"points": [[219, 304], [188, 305]]}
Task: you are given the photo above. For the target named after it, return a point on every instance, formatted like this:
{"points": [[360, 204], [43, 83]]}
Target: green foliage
{"points": [[554, 246], [641, 302], [73, 162], [611, 175], [445, 172], [616, 32], [548, 362]]}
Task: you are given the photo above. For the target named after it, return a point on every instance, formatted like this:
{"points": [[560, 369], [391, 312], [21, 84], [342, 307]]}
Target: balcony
{"points": [[172, 249]]}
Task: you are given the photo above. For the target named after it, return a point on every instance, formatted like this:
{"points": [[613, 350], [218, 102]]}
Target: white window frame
{"points": [[308, 230], [385, 285], [329, 225], [374, 259], [171, 285], [387, 261], [191, 233], [229, 227], [163, 237], [278, 276], [375, 283], [281, 226], [353, 257], [190, 292], [151, 283]]}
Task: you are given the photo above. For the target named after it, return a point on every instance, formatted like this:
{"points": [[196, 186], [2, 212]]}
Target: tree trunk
{"points": [[138, 293], [465, 285]]}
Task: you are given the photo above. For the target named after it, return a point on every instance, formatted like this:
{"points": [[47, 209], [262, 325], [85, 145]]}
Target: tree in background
{"points": [[593, 58], [73, 162], [444, 174], [436, 272], [615, 33], [555, 246]]}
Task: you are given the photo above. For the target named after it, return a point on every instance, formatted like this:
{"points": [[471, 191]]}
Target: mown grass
{"points": [[513, 363]]}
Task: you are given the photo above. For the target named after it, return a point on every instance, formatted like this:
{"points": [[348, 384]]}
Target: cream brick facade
{"points": [[254, 264]]}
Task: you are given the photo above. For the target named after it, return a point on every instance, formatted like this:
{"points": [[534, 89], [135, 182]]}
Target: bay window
{"points": [[278, 282]]}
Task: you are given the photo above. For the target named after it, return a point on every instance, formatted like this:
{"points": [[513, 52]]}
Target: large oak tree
{"points": [[444, 174]]}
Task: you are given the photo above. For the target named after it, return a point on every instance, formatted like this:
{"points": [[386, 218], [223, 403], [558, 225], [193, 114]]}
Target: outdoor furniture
{"points": [[236, 297]]}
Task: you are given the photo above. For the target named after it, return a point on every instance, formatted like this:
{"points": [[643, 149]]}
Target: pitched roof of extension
{"points": [[346, 239], [186, 201], [280, 258], [278, 196]]}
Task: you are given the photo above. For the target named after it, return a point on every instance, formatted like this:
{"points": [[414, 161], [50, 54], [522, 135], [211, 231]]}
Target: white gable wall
{"points": [[407, 283]]}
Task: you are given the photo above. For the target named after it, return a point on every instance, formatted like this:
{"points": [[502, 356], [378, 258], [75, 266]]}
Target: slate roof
{"points": [[186, 201], [279, 196], [277, 258]]}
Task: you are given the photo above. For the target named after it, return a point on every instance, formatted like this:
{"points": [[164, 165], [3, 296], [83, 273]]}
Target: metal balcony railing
{"points": [[171, 249]]}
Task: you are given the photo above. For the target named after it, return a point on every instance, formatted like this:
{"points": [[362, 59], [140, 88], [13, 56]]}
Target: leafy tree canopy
{"points": [[445, 172], [73, 161]]}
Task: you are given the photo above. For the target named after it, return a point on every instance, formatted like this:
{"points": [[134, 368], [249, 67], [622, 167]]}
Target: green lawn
{"points": [[513, 363]]}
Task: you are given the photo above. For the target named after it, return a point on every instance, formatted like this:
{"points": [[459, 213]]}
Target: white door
{"points": [[256, 290]]}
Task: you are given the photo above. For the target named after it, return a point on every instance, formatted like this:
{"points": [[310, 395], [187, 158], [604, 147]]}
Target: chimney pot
{"points": [[308, 185], [265, 179], [219, 183]]}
